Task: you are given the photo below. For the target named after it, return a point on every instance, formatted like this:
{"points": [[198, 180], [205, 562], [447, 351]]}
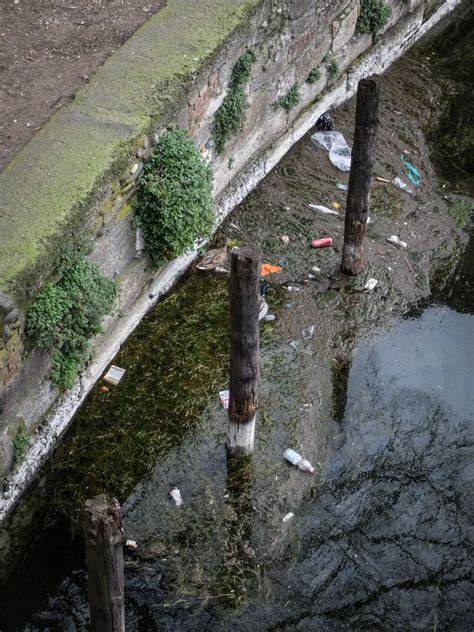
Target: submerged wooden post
{"points": [[244, 349], [104, 554], [363, 154]]}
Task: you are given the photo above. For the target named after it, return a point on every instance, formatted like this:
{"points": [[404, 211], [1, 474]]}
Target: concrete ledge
{"points": [[68, 160]]}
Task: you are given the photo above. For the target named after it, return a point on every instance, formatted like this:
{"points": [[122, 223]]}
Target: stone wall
{"points": [[289, 40]]}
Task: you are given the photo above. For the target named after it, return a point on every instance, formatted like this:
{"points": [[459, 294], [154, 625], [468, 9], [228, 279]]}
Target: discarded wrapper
{"points": [[114, 375], [285, 239], [393, 239], [323, 209], [176, 496], [371, 284], [268, 268], [224, 399], [270, 317], [288, 517], [322, 242], [131, 544]]}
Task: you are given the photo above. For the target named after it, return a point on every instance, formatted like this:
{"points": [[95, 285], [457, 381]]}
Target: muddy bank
{"points": [[225, 559]]}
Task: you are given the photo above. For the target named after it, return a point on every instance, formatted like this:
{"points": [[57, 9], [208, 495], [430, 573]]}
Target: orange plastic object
{"points": [[268, 268]]}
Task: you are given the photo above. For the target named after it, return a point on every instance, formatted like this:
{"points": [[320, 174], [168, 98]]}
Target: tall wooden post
{"points": [[104, 554], [363, 154], [244, 349]]}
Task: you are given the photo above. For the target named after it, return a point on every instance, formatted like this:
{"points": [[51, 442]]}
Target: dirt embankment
{"points": [[48, 50]]}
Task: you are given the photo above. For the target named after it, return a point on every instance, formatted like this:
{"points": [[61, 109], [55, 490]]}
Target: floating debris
{"points": [[323, 209], [176, 496], [371, 284], [224, 399], [322, 242], [393, 239], [296, 459], [114, 375]]}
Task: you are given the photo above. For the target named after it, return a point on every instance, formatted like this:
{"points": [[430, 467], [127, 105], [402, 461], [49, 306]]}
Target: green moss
{"points": [[314, 75], [291, 99], [462, 211], [229, 117], [385, 201], [63, 168]]}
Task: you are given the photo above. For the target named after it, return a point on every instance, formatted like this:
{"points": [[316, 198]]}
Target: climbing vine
{"points": [[66, 315], [374, 15], [174, 198], [230, 116]]}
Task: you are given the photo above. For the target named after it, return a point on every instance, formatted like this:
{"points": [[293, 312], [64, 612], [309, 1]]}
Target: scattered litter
{"points": [[380, 179], [368, 220], [176, 496], [342, 186], [322, 242], [311, 276], [268, 268], [293, 288], [288, 305], [308, 333], [285, 239], [402, 185], [412, 172], [264, 287], [288, 517], [296, 459], [335, 205], [224, 399], [323, 209], [393, 239], [316, 269], [339, 150], [270, 317], [371, 284], [104, 389], [283, 263], [295, 344], [114, 375], [263, 309], [324, 123], [131, 544]]}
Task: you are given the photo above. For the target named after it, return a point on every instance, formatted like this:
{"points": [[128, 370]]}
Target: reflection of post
{"points": [[104, 554], [362, 161], [244, 349]]}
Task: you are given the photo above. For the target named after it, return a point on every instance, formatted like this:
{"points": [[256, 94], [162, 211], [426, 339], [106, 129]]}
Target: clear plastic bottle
{"points": [[296, 459]]}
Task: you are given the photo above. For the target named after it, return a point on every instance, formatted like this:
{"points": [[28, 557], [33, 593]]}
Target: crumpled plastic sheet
{"points": [[335, 144]]}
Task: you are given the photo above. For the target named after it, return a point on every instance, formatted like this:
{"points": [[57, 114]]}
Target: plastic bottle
{"points": [[393, 239], [296, 459]]}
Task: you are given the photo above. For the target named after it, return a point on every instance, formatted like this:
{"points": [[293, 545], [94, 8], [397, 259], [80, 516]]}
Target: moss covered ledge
{"points": [[61, 170]]}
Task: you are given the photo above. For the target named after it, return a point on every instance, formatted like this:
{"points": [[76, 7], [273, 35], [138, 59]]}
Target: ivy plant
{"points": [[174, 198], [66, 315], [374, 15], [229, 117]]}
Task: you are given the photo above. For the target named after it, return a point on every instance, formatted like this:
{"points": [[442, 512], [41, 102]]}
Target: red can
{"points": [[320, 243]]}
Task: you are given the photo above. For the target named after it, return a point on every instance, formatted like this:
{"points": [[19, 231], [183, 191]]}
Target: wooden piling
{"points": [[363, 154], [104, 554], [244, 349]]}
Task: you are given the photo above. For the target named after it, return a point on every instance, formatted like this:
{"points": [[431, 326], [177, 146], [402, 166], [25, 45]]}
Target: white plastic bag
{"points": [[339, 150]]}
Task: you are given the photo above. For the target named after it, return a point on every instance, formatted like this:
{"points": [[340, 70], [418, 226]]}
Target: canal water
{"points": [[381, 538]]}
